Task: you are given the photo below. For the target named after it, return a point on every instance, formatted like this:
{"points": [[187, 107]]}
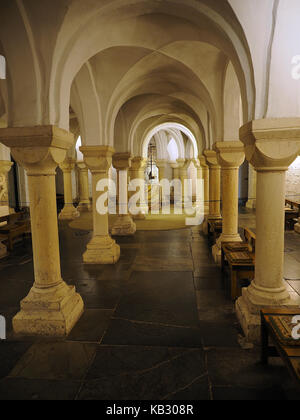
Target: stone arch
{"points": [[147, 138]]}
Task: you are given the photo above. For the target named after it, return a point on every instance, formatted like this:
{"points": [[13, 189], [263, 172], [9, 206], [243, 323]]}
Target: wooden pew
{"points": [[17, 225], [292, 213], [214, 230], [276, 324], [239, 259]]}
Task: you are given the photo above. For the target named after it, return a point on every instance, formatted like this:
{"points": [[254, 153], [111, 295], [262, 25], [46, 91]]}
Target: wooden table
{"points": [[237, 270], [289, 354]]}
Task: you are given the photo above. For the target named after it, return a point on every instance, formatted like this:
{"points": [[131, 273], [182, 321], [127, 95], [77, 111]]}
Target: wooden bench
{"points": [[215, 227], [292, 214], [17, 225], [239, 259], [285, 348]]}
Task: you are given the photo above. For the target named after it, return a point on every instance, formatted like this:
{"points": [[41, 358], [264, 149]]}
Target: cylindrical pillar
{"points": [[137, 171], [124, 225], [205, 174], [230, 156], [271, 145], [102, 249], [84, 194], [214, 185], [251, 203], [52, 308], [69, 212]]}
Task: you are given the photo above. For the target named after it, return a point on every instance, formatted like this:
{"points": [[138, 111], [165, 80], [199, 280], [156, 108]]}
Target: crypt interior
{"points": [[103, 102]]}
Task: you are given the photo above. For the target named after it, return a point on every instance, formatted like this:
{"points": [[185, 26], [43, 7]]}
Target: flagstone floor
{"points": [[158, 325]]}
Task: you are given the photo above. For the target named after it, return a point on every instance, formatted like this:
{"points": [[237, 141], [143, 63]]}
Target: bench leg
{"points": [[10, 244], [234, 285], [264, 342]]}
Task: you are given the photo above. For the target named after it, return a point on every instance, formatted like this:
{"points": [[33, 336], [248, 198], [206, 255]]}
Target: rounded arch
{"points": [[165, 126]]}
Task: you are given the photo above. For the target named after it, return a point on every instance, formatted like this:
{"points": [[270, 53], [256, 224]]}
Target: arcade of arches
{"points": [[147, 90]]}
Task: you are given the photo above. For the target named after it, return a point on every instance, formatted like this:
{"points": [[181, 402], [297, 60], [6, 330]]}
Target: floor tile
{"points": [[36, 389], [121, 332], [153, 384], [59, 361], [155, 297], [92, 326]]}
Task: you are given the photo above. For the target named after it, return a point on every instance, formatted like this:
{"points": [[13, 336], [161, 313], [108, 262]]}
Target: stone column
{"points": [[197, 165], [5, 167], [69, 212], [161, 164], [174, 166], [84, 204], [137, 171], [271, 146], [52, 308], [124, 225], [230, 156], [251, 203], [205, 174], [102, 249], [214, 184]]}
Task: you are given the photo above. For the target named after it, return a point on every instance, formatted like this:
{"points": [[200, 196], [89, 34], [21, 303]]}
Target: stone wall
{"points": [[293, 181]]}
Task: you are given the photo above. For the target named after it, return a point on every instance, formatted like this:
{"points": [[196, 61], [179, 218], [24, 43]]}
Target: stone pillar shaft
{"points": [[205, 174], [69, 212], [251, 203], [230, 156], [124, 225], [214, 184], [137, 171], [270, 229], [42, 196], [84, 204]]}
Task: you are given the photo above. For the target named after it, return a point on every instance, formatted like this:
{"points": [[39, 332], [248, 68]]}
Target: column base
{"points": [[102, 250], [69, 213], [49, 312], [217, 254], [84, 207], [140, 216], [251, 204], [124, 226], [297, 227], [248, 309], [228, 238]]}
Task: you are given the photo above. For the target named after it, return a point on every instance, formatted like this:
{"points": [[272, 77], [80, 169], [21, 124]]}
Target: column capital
{"points": [[271, 144], [138, 163], [122, 161], [230, 154], [5, 166], [39, 149], [181, 163], [174, 165], [98, 158], [161, 163], [81, 165], [67, 165], [196, 163], [203, 162], [211, 158]]}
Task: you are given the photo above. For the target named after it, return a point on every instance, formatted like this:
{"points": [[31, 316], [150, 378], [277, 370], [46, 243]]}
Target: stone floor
{"points": [[159, 325]]}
